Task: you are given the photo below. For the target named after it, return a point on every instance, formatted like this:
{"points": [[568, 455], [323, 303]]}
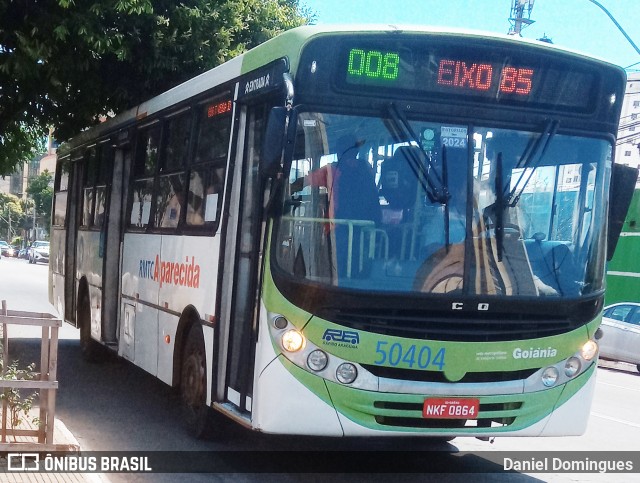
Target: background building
{"points": [[628, 146], [16, 184]]}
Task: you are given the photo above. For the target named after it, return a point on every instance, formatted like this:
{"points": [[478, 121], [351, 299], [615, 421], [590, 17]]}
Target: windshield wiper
{"points": [[435, 186], [531, 159]]}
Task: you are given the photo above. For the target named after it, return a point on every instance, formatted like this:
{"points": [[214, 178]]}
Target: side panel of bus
{"points": [[161, 275]]}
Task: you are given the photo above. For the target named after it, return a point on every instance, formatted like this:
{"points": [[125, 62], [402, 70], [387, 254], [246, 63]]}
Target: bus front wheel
{"points": [[193, 383]]}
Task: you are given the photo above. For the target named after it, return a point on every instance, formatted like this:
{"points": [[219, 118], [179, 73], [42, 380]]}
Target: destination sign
{"points": [[219, 108], [509, 74]]}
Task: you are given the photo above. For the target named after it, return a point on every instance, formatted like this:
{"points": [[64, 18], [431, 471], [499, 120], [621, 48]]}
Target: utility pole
{"points": [[520, 9]]}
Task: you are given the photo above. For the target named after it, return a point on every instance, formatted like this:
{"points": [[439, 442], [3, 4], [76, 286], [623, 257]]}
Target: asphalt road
{"points": [[116, 406]]}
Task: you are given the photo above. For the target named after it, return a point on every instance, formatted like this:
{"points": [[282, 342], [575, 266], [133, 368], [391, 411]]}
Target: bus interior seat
{"points": [[552, 263], [399, 180]]}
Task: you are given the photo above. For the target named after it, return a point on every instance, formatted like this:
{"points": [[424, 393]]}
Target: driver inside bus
{"points": [[352, 194]]}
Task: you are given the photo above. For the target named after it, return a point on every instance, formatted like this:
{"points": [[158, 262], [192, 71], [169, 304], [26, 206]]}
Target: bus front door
{"points": [[243, 246]]}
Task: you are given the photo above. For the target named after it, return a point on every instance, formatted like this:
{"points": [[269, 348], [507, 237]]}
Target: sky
{"points": [[574, 24]]}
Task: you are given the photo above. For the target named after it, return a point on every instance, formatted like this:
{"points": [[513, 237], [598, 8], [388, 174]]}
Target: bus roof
{"points": [[288, 45]]}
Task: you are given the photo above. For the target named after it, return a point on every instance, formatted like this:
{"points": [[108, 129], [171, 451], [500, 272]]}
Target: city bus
{"points": [[393, 231]]}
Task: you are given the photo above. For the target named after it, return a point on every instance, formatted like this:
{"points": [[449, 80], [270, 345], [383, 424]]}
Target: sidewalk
{"points": [[62, 437]]}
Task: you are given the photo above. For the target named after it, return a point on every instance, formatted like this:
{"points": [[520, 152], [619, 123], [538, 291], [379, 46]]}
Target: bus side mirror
{"points": [[623, 183], [273, 142]]}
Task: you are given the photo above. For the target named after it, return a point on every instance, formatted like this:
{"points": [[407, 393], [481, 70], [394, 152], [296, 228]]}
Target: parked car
{"points": [[39, 252], [5, 248], [620, 327]]}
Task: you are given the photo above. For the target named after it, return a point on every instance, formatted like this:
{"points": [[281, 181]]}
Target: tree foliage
{"points": [[64, 63], [12, 216], [40, 190]]}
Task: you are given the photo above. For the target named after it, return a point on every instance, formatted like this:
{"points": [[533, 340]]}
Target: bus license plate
{"points": [[450, 408]]}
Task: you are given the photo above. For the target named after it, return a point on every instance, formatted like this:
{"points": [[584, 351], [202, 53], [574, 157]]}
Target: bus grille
{"points": [[438, 377], [416, 324]]}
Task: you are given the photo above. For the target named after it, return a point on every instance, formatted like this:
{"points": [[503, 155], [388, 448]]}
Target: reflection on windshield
{"points": [[517, 220]]}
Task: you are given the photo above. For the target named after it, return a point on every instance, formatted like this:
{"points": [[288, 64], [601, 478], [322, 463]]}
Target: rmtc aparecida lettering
{"points": [[182, 274]]}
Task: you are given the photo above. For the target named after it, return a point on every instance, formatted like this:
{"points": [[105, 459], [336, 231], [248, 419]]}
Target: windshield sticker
{"points": [[454, 137]]}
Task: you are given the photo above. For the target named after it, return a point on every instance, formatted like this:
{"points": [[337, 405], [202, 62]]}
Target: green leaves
{"points": [[66, 62]]}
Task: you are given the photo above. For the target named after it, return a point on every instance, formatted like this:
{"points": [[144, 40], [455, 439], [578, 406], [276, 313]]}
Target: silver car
{"points": [[621, 333], [39, 252]]}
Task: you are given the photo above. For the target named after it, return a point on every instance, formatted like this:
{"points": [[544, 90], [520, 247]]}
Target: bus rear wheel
{"points": [[193, 384]]}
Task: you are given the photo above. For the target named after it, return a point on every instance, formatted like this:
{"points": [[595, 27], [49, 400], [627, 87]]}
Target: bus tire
{"points": [[90, 349], [193, 384]]}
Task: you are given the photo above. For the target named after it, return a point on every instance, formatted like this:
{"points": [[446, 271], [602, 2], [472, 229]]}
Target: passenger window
{"points": [[144, 170], [141, 205], [205, 193], [61, 187], [213, 131], [88, 188], [207, 174], [103, 172], [147, 152], [178, 131], [169, 200]]}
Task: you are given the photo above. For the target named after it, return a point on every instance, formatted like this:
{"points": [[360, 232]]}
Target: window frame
{"points": [[214, 168]]}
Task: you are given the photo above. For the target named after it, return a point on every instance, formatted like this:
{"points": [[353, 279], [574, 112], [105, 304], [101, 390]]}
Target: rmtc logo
{"points": [[183, 274], [337, 336]]}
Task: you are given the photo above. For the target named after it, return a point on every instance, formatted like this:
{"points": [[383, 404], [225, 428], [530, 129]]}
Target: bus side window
{"points": [[169, 200], [205, 192], [144, 169], [61, 188], [103, 174], [207, 174], [171, 185], [88, 190]]}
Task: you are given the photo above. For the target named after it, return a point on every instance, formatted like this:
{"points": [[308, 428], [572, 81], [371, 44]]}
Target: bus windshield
{"points": [[378, 205]]}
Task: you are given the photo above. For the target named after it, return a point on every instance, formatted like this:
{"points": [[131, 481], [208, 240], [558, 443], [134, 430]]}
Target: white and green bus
{"points": [[451, 284]]}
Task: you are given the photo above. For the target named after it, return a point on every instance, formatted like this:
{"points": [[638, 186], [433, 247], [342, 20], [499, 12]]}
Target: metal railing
{"points": [[28, 436]]}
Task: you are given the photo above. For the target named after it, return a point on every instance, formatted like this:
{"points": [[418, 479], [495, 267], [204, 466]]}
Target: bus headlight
{"points": [[346, 373], [572, 366], [589, 350], [292, 341], [550, 376], [317, 360]]}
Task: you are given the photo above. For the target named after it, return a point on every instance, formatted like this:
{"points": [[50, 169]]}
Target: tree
{"points": [[65, 63], [41, 191], [11, 216]]}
